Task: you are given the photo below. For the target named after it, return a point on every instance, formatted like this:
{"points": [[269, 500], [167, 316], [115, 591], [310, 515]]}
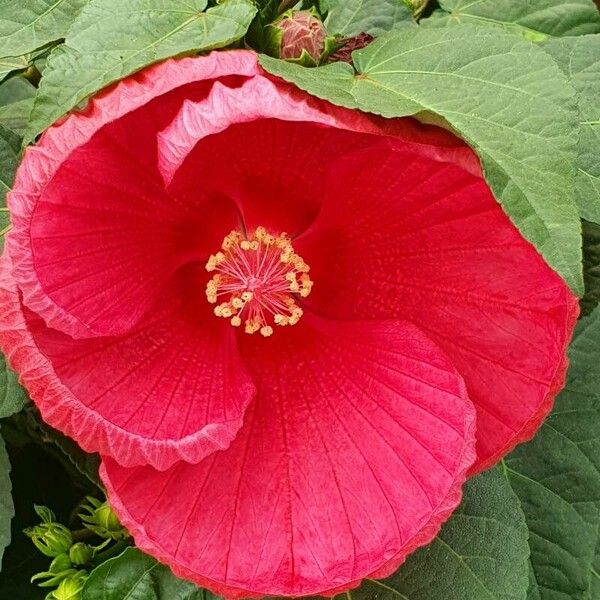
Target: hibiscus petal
{"points": [[89, 173], [433, 246], [269, 147], [352, 456], [174, 388]]}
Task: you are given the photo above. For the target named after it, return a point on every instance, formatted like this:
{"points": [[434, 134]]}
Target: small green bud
{"points": [[299, 36], [60, 568], [81, 554], [44, 513], [51, 539], [99, 517], [70, 588], [61, 563]]}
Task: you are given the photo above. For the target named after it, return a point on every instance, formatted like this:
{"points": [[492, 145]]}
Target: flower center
{"points": [[259, 277]]}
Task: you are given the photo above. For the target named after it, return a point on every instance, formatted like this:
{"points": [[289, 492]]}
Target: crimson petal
{"points": [[174, 388], [89, 173], [433, 246], [352, 456]]}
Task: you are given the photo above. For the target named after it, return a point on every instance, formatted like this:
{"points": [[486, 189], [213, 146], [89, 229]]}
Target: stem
{"points": [[82, 534]]}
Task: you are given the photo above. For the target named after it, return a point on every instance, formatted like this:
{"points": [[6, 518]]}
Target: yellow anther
{"points": [[261, 287], [252, 327], [214, 261]]}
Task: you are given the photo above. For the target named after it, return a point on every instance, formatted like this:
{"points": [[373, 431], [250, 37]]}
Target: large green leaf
{"points": [[26, 25], [504, 95], [7, 509], [351, 17], [579, 58], [480, 554], [113, 38], [557, 479], [536, 19], [137, 576]]}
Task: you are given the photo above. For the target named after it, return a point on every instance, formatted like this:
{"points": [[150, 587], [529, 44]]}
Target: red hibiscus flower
{"points": [[285, 325]]}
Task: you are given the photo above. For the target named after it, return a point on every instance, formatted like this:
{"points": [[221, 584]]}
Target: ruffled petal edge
{"points": [[60, 409]]}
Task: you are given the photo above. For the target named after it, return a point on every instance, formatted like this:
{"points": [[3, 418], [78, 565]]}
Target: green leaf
{"points": [[15, 89], [7, 509], [351, 17], [9, 64], [16, 101], [579, 58], [26, 25], [15, 116], [557, 479], [13, 397], [535, 19], [137, 576], [504, 95], [114, 38], [480, 554]]}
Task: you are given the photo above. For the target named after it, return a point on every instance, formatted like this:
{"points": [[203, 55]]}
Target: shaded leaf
{"points": [[7, 509], [114, 38], [26, 25], [10, 146], [12, 396], [15, 116], [15, 89], [504, 95], [557, 479], [351, 17], [535, 19], [591, 267]]}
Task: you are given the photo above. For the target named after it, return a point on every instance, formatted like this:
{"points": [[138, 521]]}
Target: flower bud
{"points": [[81, 554], [99, 517], [61, 563], [51, 539], [44, 513], [299, 36], [70, 588], [60, 568]]}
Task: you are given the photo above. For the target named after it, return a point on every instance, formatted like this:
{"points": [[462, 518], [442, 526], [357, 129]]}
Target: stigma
{"points": [[257, 281]]}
